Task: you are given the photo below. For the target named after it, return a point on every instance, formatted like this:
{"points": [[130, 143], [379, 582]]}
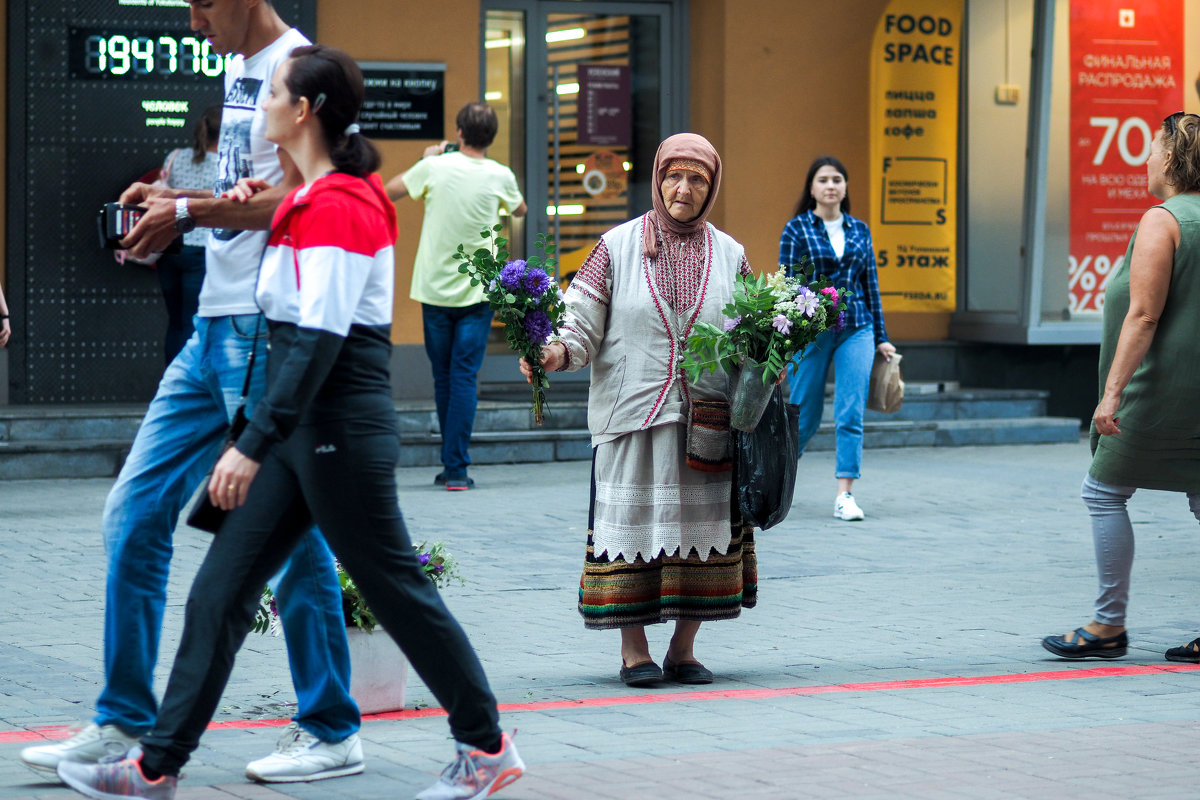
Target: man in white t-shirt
{"points": [[183, 430], [464, 192]]}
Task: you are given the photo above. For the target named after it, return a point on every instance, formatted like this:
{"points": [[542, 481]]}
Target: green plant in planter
{"points": [[438, 565]]}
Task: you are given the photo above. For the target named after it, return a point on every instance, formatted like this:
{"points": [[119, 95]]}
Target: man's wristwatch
{"points": [[183, 220]]}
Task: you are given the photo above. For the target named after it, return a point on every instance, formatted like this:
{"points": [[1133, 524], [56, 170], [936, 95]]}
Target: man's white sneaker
{"points": [[93, 744], [846, 509], [476, 774], [300, 756]]}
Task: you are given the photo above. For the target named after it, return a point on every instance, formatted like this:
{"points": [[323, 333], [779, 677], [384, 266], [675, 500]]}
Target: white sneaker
{"points": [[300, 756], [91, 745], [845, 508], [476, 774]]}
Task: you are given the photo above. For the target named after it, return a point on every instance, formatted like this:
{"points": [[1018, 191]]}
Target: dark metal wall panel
{"points": [[87, 329]]}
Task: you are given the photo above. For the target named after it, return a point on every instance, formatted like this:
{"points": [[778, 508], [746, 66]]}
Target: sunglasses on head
{"points": [[1172, 121]]}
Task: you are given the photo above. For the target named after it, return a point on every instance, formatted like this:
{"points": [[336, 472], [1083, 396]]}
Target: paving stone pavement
{"points": [[844, 682]]}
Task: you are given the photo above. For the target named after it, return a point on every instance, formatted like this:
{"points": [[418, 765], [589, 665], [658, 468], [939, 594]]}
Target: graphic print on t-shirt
{"points": [[234, 150]]}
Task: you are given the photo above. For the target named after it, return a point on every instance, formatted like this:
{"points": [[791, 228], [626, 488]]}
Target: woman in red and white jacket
{"points": [[321, 447]]}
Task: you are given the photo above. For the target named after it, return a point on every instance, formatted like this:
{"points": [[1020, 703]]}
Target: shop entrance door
{"points": [[585, 91]]}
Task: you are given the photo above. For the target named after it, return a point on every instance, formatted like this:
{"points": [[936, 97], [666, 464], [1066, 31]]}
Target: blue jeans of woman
{"points": [[456, 341], [177, 443], [851, 352], [1112, 535]]}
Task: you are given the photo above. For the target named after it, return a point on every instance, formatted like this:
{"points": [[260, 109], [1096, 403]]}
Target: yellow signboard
{"points": [[914, 152]]}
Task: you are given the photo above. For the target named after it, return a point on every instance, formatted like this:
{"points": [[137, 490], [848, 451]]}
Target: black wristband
{"points": [[3, 316]]}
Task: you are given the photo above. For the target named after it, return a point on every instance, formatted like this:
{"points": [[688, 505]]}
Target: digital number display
{"points": [[100, 54]]}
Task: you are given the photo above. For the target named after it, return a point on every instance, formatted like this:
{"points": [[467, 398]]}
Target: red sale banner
{"points": [[1126, 75]]}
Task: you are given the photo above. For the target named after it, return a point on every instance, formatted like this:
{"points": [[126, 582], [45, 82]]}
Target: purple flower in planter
{"points": [[537, 326], [782, 324], [841, 322], [423, 558], [730, 324]]}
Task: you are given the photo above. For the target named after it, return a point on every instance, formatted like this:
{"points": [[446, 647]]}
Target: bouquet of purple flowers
{"points": [[524, 296]]}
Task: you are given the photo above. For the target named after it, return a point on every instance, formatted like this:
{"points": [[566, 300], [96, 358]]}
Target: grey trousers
{"points": [[1112, 534]]}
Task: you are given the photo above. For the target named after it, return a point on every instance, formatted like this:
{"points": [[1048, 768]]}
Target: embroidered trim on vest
{"points": [[662, 393], [700, 298]]}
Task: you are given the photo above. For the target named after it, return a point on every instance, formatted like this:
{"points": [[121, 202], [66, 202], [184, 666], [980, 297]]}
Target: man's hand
{"points": [[155, 230]]}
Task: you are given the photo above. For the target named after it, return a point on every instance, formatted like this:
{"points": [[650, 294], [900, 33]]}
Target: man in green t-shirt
{"points": [[464, 192]]}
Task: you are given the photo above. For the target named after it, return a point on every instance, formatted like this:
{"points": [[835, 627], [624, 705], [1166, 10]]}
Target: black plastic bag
{"points": [[765, 464]]}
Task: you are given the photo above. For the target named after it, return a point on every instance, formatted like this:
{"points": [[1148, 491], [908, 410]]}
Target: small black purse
{"points": [[204, 515]]}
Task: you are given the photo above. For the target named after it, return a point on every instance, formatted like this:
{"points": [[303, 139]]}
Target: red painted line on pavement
{"points": [[63, 731]]}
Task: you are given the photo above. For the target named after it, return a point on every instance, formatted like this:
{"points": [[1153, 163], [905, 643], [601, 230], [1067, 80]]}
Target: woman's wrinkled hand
{"points": [[554, 358], [246, 188], [1106, 419], [231, 479]]}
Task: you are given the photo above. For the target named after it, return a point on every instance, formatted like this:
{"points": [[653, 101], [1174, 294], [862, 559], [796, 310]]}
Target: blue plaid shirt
{"points": [[805, 235]]}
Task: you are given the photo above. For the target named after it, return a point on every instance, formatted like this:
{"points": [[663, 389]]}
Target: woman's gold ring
{"points": [[232, 487]]}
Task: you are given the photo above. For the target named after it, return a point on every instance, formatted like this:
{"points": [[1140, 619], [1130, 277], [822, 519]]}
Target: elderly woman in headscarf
{"points": [[662, 542]]}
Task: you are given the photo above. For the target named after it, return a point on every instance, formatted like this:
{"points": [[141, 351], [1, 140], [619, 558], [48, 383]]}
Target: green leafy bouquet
{"points": [[523, 295], [437, 564], [770, 321]]}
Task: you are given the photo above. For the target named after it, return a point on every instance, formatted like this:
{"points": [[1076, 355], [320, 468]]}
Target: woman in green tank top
{"points": [[1146, 429]]}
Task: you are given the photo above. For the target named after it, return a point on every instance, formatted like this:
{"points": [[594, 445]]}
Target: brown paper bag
{"points": [[887, 388]]}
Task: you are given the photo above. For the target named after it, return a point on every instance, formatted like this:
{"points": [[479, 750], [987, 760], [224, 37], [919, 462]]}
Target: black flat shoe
{"points": [[689, 672], [645, 674], [1087, 645], [1189, 652]]}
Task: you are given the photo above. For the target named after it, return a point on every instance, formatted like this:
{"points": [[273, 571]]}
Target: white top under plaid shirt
{"points": [[805, 236]]}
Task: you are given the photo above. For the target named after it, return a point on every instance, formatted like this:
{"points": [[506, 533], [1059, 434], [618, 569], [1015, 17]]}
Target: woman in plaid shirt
{"points": [[824, 240]]}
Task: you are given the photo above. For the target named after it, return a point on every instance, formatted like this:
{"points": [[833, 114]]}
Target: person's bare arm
{"points": [[520, 210], [395, 188], [156, 229]]}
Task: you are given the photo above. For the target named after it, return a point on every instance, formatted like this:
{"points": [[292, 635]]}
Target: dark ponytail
{"points": [[333, 85]]}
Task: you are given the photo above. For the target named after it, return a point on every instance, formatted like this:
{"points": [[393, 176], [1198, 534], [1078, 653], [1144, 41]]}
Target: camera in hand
{"points": [[115, 221], [451, 147]]}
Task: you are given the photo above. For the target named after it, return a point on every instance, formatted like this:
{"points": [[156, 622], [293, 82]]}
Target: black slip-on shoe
{"points": [[689, 672], [645, 674]]}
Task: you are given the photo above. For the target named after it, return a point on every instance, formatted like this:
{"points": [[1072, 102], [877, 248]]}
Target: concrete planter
{"points": [[378, 671]]}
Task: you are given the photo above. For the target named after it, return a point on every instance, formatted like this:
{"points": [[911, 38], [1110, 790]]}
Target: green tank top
{"points": [[1159, 443]]}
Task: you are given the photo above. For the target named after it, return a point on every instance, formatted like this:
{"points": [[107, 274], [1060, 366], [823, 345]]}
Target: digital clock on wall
{"points": [[103, 54]]}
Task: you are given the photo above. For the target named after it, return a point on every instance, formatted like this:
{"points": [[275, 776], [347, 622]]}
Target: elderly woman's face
{"points": [[684, 193]]}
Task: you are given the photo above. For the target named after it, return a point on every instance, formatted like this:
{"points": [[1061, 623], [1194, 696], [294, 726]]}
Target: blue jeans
{"points": [[1112, 536], [178, 441], [456, 341], [852, 353]]}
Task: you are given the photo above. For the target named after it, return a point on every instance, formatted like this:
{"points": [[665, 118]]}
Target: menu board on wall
{"points": [[914, 153], [403, 101], [1126, 75], [605, 105]]}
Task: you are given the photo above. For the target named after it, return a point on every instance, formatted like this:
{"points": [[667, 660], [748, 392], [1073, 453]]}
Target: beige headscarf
{"points": [[681, 147]]}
